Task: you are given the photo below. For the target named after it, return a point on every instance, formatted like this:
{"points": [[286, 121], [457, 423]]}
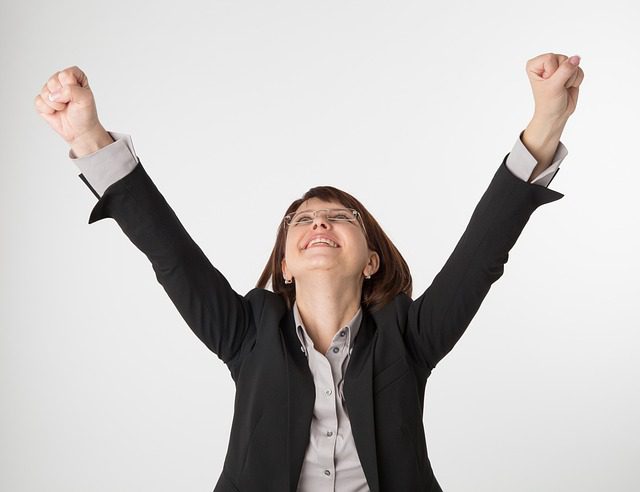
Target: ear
{"points": [[374, 263], [283, 265]]}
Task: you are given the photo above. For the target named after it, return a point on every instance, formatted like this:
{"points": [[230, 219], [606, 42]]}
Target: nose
{"points": [[321, 219]]}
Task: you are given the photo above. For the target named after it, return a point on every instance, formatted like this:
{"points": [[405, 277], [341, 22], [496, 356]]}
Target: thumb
{"points": [[565, 71]]}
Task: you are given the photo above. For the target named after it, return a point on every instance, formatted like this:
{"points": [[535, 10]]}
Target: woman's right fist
{"points": [[67, 104]]}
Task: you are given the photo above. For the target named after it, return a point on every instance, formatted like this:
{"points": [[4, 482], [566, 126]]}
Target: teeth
{"points": [[321, 240]]}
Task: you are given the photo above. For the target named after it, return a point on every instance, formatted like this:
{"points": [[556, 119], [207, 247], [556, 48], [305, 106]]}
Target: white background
{"points": [[236, 109]]}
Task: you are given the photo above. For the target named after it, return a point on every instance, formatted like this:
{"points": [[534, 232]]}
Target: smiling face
{"points": [[349, 257]]}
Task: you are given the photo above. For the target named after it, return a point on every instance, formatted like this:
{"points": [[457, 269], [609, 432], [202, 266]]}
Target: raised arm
{"points": [[222, 319], [219, 316], [438, 318]]}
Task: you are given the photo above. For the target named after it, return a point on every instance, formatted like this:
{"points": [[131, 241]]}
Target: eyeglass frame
{"points": [[289, 217]]}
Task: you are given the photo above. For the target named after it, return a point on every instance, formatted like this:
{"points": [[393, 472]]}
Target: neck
{"points": [[326, 305]]}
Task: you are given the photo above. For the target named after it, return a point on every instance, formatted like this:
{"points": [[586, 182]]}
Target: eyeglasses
{"points": [[339, 215]]}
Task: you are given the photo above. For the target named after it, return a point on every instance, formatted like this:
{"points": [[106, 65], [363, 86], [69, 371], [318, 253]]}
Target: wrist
{"points": [[546, 128], [541, 138], [90, 142], [542, 133]]}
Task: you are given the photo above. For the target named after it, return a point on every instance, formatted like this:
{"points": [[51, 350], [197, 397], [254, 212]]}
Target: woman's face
{"points": [[350, 259]]}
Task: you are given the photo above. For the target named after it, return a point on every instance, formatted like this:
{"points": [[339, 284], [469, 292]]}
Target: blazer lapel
{"points": [[358, 395], [302, 398]]}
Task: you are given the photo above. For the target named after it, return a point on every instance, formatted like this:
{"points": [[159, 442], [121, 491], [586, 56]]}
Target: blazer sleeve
{"points": [[438, 318], [221, 318]]}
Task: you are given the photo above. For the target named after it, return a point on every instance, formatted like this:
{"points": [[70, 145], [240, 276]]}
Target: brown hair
{"points": [[393, 275]]}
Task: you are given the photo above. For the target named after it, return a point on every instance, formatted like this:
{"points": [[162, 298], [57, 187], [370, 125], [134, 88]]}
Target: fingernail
{"points": [[53, 96], [574, 60]]}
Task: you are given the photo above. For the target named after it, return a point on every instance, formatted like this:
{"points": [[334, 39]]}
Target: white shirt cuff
{"points": [[107, 165], [521, 163]]}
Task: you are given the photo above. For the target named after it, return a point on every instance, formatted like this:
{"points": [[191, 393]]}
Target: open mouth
{"points": [[322, 242]]}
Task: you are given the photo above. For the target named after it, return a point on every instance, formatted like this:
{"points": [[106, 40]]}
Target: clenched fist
{"points": [[555, 82], [66, 102]]}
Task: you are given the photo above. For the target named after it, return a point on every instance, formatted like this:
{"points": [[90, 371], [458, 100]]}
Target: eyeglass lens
{"points": [[334, 215]]}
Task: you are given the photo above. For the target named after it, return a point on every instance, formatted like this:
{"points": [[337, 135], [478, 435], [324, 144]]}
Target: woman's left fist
{"points": [[555, 82]]}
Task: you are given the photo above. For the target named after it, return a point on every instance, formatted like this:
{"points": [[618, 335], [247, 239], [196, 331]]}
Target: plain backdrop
{"points": [[237, 108]]}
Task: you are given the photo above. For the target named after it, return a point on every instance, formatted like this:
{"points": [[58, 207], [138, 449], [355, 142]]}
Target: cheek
{"points": [[364, 255], [360, 249], [361, 241], [290, 246]]}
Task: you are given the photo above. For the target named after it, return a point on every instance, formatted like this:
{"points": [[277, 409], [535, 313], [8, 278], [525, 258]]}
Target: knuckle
{"points": [[42, 107], [72, 74], [53, 84], [541, 57]]}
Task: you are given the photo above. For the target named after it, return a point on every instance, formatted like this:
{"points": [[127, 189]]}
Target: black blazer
{"points": [[394, 352]]}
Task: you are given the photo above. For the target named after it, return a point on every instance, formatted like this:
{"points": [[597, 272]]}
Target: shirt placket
{"points": [[327, 369]]}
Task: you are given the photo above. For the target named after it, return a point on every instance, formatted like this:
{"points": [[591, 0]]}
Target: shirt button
{"points": [[329, 433], [328, 392], [327, 472], [336, 350], [343, 333]]}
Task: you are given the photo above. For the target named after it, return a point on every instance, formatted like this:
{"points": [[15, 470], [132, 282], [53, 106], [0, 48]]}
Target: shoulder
{"points": [[395, 311], [264, 302]]}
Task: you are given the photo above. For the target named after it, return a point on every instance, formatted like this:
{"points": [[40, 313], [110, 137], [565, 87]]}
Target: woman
{"points": [[331, 367]]}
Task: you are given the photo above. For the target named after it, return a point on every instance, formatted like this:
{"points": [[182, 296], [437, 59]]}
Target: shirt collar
{"points": [[351, 328]]}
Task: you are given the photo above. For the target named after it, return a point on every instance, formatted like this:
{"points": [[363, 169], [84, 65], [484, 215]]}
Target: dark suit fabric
{"points": [[394, 353]]}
